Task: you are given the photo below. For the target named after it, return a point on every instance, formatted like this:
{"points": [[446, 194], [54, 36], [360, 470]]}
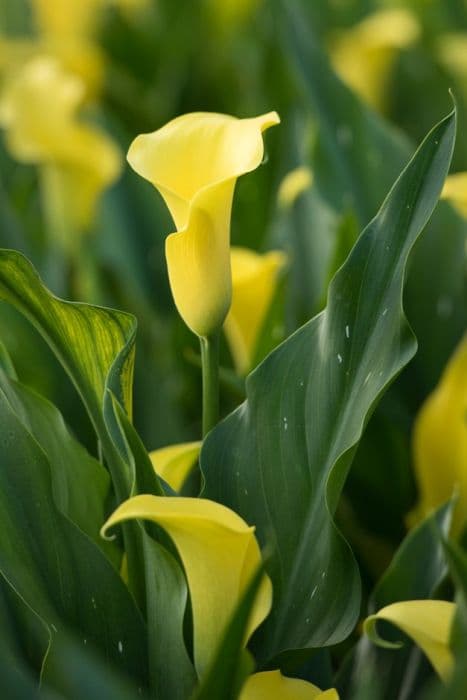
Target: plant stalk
{"points": [[210, 370]]}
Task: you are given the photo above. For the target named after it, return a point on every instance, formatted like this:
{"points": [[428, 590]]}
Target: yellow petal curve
{"points": [[254, 281], [174, 462], [440, 442], [219, 553], [428, 623], [272, 685]]}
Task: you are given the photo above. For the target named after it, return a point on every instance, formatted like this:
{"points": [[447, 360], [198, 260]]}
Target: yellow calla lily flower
{"points": [[440, 442], [174, 462], [427, 622], [220, 555], [455, 191], [272, 685], [293, 185], [254, 281], [38, 111], [194, 161], [363, 55]]}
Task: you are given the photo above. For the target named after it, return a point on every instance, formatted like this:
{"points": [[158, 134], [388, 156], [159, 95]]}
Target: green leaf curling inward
{"points": [[280, 460]]}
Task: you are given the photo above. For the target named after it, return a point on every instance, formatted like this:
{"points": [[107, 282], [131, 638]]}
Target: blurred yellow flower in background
{"points": [[296, 182], [220, 555], [174, 462], [455, 191], [254, 282], [272, 685], [427, 622], [194, 161], [38, 110], [440, 443], [364, 54]]}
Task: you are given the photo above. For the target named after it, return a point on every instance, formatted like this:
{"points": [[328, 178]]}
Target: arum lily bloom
{"points": [[38, 111], [220, 556], [455, 191], [254, 282], [363, 55], [174, 462], [272, 685], [194, 161], [295, 183], [440, 442], [427, 622]]}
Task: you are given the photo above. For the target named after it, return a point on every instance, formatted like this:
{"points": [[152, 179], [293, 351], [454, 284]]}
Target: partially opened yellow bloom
{"points": [[455, 191], [174, 462], [220, 555], [293, 185], [440, 442], [427, 622], [38, 110], [194, 161], [254, 282], [363, 55], [272, 685]]}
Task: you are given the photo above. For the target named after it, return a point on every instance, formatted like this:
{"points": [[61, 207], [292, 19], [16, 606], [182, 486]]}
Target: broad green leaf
{"points": [[80, 483], [172, 674], [280, 460], [60, 574]]}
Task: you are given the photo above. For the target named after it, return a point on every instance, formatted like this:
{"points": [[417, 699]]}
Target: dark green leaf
{"points": [[280, 460]]}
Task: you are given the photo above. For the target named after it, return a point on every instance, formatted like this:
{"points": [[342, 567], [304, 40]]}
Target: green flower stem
{"points": [[210, 369]]}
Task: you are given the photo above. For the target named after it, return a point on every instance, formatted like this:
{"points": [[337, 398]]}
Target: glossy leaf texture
{"points": [[56, 569], [280, 460]]}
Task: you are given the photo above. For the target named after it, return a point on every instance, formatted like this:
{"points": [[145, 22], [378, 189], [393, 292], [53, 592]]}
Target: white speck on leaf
{"points": [[313, 592], [347, 332], [120, 647], [339, 358], [384, 312], [367, 377]]}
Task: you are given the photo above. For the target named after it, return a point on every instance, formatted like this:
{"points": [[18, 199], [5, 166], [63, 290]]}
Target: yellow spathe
{"points": [[272, 685], [363, 55], [254, 282], [174, 462], [427, 622], [194, 161], [220, 555], [455, 190], [293, 185], [38, 111], [440, 442]]}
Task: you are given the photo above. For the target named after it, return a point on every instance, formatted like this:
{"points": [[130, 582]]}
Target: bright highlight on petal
{"points": [[272, 685], [455, 191], [427, 622], [194, 162], [363, 55], [293, 185], [220, 555], [175, 462], [254, 282], [38, 111], [440, 442]]}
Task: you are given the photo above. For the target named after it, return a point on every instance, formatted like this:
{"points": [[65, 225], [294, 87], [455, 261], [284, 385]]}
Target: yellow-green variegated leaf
{"points": [[427, 622]]}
